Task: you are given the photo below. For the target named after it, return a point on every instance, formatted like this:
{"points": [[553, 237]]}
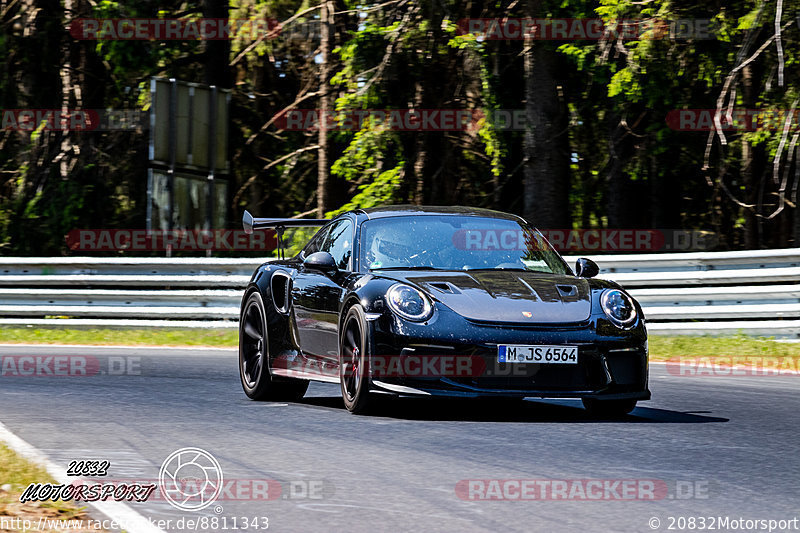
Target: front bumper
{"points": [[612, 363], [459, 392]]}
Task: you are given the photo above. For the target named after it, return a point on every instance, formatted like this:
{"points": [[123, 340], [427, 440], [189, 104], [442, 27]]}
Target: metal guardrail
{"points": [[125, 272], [755, 292]]}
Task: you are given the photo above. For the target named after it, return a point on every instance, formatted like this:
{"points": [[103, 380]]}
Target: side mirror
{"points": [[586, 268], [320, 261]]}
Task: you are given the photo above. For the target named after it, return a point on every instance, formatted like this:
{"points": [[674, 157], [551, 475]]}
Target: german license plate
{"points": [[540, 354]]}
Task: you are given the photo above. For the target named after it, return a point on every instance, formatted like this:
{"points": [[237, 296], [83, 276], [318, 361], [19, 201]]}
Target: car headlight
{"points": [[408, 302], [618, 306]]}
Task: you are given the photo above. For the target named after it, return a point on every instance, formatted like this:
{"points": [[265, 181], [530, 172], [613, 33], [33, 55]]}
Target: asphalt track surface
{"points": [[722, 446]]}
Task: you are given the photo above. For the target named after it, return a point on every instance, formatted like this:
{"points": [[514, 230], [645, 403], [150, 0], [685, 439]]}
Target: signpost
{"points": [[188, 167]]}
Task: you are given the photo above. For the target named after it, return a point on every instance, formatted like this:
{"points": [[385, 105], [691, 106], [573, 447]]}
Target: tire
{"points": [[354, 362], [254, 371], [608, 408]]}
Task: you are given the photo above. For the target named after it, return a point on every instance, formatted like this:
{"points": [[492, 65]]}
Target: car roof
{"points": [[405, 210]]}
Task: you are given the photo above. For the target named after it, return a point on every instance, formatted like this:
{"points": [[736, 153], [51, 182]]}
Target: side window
{"points": [[315, 245], [339, 243]]}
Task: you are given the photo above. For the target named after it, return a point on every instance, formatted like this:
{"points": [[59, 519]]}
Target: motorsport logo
{"points": [[88, 492], [190, 479], [187, 464]]}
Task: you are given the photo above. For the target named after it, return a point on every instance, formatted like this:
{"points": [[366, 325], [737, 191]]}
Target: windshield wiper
{"points": [[516, 269], [417, 267]]}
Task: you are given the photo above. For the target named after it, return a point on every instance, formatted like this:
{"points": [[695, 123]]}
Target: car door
{"points": [[316, 295]]}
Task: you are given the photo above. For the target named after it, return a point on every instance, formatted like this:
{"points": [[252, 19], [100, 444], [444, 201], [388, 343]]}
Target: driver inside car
{"points": [[390, 248]]}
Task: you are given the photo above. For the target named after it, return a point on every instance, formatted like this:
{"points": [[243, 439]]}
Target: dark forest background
{"points": [[598, 152]]}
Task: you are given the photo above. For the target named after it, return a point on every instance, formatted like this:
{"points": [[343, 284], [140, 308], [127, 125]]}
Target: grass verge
{"points": [[128, 337], [661, 347], [15, 475]]}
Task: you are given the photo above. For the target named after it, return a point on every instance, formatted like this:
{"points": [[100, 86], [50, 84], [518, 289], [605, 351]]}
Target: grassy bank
{"points": [[661, 347], [668, 347], [129, 337], [15, 475]]}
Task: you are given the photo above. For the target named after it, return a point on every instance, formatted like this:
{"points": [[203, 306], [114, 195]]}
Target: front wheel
{"points": [[608, 408], [354, 362], [257, 381]]}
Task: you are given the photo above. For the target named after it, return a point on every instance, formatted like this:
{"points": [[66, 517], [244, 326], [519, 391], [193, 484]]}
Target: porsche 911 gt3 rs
{"points": [[438, 301]]}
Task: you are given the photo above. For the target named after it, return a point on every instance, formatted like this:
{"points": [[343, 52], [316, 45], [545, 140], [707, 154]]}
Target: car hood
{"points": [[507, 296]]}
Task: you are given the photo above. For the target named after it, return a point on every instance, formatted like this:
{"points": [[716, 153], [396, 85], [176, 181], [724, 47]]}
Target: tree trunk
{"points": [[665, 197], [323, 170], [546, 170], [40, 54], [796, 210], [421, 152], [618, 212], [753, 165], [749, 181], [752, 168], [217, 68], [37, 84]]}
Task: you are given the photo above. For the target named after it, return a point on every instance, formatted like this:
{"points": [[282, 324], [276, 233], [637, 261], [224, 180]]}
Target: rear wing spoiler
{"points": [[250, 223]]}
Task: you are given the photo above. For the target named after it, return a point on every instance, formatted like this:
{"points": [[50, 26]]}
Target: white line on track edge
{"points": [[116, 511]]}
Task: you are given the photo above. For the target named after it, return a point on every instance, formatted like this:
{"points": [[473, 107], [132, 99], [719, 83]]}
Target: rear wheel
{"points": [[257, 381], [354, 362], [608, 408]]}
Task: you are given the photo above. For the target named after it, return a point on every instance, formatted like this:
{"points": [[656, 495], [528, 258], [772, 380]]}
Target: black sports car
{"points": [[438, 301]]}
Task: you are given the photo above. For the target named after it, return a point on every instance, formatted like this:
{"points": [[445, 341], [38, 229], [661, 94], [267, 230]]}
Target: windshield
{"points": [[449, 242]]}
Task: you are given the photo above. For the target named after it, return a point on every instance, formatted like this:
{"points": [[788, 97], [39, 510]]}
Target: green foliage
{"points": [[616, 93], [363, 164]]}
